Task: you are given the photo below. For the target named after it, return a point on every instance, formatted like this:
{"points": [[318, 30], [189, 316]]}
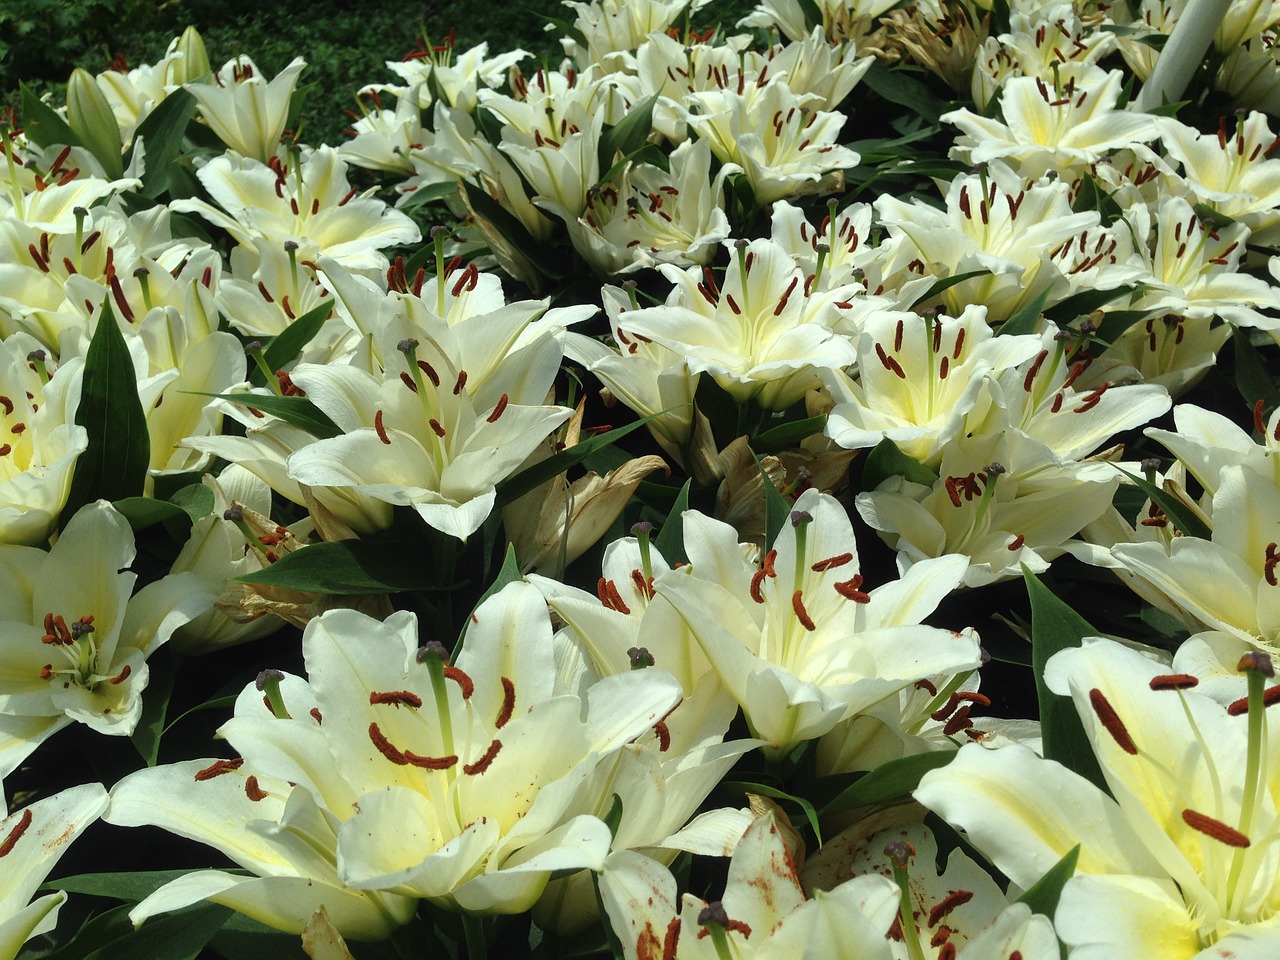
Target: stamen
{"points": [[831, 562], [664, 736], [1213, 828], [464, 682], [379, 429], [497, 410], [252, 790], [218, 768], [1108, 717], [851, 589], [1173, 681], [481, 765], [11, 841], [430, 763], [956, 898], [395, 698], [508, 703], [797, 605], [385, 747]]}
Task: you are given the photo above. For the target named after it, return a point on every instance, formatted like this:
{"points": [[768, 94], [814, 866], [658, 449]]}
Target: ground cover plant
{"points": [[733, 481]]}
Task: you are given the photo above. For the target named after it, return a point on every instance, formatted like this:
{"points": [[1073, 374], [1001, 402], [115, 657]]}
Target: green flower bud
{"points": [[195, 60], [91, 120]]}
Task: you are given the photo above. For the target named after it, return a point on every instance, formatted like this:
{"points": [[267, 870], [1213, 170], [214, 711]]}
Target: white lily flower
{"points": [[1234, 174], [395, 775], [1045, 41], [764, 335], [416, 437], [620, 26], [647, 376], [1194, 271], [958, 912], [308, 203], [779, 141], [1185, 851], [246, 112], [1227, 582], [762, 914], [1051, 126], [75, 641], [31, 842], [1002, 501], [841, 19], [920, 382], [40, 440], [799, 643], [648, 216], [995, 222]]}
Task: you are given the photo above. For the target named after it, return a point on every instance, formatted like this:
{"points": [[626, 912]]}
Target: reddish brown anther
{"points": [[464, 682], [395, 698], [1173, 681], [481, 765], [508, 703], [1214, 828], [252, 790], [851, 589], [218, 768], [11, 841], [954, 899], [1110, 720], [831, 562], [797, 605], [497, 410]]}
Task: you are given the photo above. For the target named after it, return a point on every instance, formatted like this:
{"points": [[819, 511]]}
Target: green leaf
{"points": [[947, 282], [114, 465], [195, 499], [162, 133], [776, 507], [513, 488], [143, 512], [897, 86], [1116, 322], [629, 134], [810, 814], [155, 705], [649, 153], [787, 435], [42, 124], [670, 538], [613, 818], [428, 193], [1025, 318], [1045, 893], [886, 460], [1093, 196], [285, 346], [180, 935], [1056, 626], [298, 411], [1177, 512], [897, 778], [132, 886], [1083, 303], [349, 567], [1252, 379], [1208, 214], [507, 224], [509, 573]]}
